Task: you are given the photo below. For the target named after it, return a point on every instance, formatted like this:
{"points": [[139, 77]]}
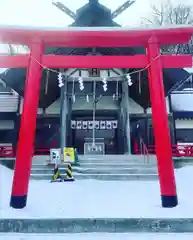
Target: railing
{"points": [[10, 152], [144, 151], [179, 150]]}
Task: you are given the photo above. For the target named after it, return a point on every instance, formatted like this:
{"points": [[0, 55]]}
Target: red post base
{"points": [[18, 202], [169, 201], [27, 129]]}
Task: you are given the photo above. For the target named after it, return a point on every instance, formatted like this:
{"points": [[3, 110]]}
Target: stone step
{"points": [[103, 158], [117, 161], [97, 171], [105, 162], [97, 165], [115, 165], [112, 157], [92, 225], [105, 177], [50, 166]]}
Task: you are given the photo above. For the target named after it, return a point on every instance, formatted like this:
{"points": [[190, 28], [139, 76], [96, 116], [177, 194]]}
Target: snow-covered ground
{"points": [[100, 236], [99, 199]]}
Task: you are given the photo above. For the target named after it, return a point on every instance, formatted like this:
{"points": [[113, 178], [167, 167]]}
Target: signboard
{"points": [[69, 155], [94, 72], [55, 155], [110, 124], [185, 148], [97, 149]]}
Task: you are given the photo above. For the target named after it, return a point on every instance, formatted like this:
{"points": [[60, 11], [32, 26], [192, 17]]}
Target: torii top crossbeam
{"points": [[94, 37]]}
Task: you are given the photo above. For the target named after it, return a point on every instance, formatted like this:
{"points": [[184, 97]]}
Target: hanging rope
{"points": [[73, 91], [124, 75], [47, 81], [139, 82], [117, 90], [94, 114]]}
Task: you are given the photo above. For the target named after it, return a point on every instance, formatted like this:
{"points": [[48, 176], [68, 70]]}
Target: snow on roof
{"points": [[190, 70]]}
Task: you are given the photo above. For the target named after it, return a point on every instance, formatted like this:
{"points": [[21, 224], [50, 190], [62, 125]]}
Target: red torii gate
{"points": [[151, 39]]}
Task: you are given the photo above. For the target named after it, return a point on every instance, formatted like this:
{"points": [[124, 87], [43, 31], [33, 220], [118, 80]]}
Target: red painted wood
{"points": [[53, 61], [160, 122], [25, 146], [176, 61], [137, 61], [17, 61], [95, 37]]}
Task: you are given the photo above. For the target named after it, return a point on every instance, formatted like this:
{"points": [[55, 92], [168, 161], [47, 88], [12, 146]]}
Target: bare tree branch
{"points": [[168, 14]]}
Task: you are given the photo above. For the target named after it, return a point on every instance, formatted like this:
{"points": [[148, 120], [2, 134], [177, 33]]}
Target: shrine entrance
{"points": [[99, 141], [95, 101], [153, 62]]}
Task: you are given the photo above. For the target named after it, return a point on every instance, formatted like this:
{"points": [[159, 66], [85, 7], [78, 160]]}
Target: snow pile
{"points": [[6, 176], [5, 173], [184, 174], [99, 199]]}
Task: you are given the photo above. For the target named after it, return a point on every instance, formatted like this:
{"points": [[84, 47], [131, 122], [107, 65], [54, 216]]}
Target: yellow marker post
{"points": [[69, 155]]}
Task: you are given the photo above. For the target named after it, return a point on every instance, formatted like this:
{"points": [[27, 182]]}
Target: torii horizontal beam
{"points": [[136, 61], [98, 37]]}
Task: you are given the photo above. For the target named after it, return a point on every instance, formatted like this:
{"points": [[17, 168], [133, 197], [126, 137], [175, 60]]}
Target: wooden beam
{"points": [[136, 61], [56, 61], [176, 61], [53, 61], [94, 37], [17, 61]]}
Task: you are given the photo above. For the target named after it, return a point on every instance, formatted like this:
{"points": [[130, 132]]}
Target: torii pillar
{"points": [[160, 124], [28, 128]]}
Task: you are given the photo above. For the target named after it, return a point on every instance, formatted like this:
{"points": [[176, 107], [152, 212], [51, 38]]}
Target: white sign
{"points": [[55, 155], [109, 124], [96, 149], [185, 148]]}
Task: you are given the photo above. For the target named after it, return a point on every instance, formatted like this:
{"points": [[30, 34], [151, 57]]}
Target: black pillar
{"points": [[63, 114], [16, 126]]}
